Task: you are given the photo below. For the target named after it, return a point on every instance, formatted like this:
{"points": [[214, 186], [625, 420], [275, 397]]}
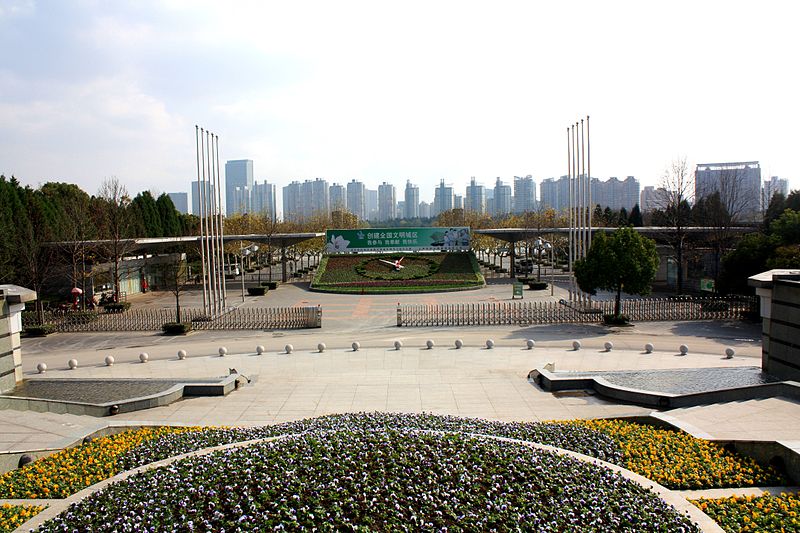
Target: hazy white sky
{"points": [[389, 91]]}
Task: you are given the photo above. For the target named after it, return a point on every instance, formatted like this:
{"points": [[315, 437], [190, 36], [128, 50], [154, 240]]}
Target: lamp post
{"points": [[540, 246], [244, 253]]}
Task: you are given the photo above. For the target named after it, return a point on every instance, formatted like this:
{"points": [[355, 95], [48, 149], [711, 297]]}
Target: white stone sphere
{"points": [[321, 347], [181, 354], [608, 346], [683, 349], [223, 351], [109, 360], [576, 345], [530, 343], [429, 343], [143, 357], [72, 364], [356, 346], [398, 345], [489, 344], [729, 353], [459, 344], [649, 347], [42, 368], [260, 350], [288, 348]]}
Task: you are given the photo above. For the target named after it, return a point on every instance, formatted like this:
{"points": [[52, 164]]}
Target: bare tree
{"points": [[116, 224], [176, 279], [673, 211]]}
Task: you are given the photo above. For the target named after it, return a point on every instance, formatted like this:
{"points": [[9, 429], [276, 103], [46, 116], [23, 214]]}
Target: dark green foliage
{"points": [[624, 261], [256, 291], [41, 330], [748, 258], [168, 216], [176, 328], [786, 228], [537, 285], [271, 285], [118, 307], [635, 218], [616, 320]]}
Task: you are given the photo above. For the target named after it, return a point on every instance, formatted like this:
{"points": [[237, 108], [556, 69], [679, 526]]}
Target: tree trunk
{"points": [[617, 301], [177, 307], [679, 278]]}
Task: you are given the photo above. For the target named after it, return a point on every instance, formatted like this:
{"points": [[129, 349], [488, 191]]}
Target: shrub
{"points": [[714, 307], [537, 285], [176, 328], [614, 320], [82, 317], [39, 330], [256, 291], [117, 307]]}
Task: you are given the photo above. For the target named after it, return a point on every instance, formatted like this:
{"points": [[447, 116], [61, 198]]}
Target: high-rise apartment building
{"points": [[262, 200], [411, 201], [238, 173], [387, 202], [443, 199], [372, 204], [458, 201], [651, 198], [208, 192], [316, 199], [738, 185], [502, 199], [554, 193], [293, 202], [475, 198], [424, 210], [357, 199], [772, 186], [524, 194], [338, 197], [613, 193], [180, 200]]}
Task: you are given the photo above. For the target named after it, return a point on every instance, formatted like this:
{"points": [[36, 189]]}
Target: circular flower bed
{"points": [[13, 516], [374, 480], [678, 460], [755, 513], [414, 267]]}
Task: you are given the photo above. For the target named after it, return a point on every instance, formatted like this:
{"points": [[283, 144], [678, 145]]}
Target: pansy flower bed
{"points": [[73, 469], [680, 461], [755, 513], [381, 480], [13, 516]]}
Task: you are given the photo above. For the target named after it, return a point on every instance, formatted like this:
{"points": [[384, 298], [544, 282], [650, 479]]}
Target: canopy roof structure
{"points": [[149, 244]]}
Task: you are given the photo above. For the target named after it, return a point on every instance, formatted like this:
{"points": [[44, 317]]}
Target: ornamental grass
{"points": [[680, 461], [13, 516], [73, 469], [755, 513]]}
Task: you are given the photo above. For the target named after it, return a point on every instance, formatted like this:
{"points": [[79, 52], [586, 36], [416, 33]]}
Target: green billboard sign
{"points": [[454, 239]]}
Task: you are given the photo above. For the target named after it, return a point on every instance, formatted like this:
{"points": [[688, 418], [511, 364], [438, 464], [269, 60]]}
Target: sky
{"points": [[389, 91]]}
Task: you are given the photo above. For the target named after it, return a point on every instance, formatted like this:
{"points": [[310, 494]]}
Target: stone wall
{"points": [[12, 303], [781, 331]]}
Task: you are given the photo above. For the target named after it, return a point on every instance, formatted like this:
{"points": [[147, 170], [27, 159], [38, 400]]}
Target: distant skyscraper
{"points": [[502, 199], [338, 197], [180, 200], [387, 202], [241, 199], [524, 194], [458, 201], [357, 199], [652, 198], [554, 194], [372, 204], [293, 202], [238, 173], [442, 199], [615, 193], [208, 192], [475, 199], [316, 199], [411, 201], [772, 186], [424, 210], [738, 185], [262, 200]]}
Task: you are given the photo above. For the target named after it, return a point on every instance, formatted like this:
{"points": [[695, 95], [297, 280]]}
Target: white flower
{"points": [[337, 244]]}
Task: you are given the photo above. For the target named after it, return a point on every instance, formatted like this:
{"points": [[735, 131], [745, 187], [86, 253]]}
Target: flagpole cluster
{"points": [[211, 227], [580, 200]]}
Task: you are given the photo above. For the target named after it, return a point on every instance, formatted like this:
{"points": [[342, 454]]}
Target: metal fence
{"points": [[154, 319], [526, 313]]}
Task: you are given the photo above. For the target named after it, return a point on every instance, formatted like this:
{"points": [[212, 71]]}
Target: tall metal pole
{"points": [[210, 243], [569, 206], [200, 214], [589, 173], [221, 224], [204, 215], [584, 216]]}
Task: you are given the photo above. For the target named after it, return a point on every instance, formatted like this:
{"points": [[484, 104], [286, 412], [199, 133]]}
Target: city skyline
{"points": [[116, 89]]}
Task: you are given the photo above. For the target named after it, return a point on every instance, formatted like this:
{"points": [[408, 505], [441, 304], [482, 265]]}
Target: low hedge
{"points": [[271, 285], [256, 291], [537, 285], [614, 320], [117, 307], [176, 328], [39, 330]]}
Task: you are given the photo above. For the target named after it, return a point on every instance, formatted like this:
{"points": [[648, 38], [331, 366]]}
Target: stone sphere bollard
{"points": [[113, 410], [260, 350], [608, 346], [683, 349], [72, 364], [489, 344], [143, 357], [288, 348], [41, 368], [109, 360], [24, 460], [729, 353], [648, 348], [576, 345], [356, 346], [530, 343], [223, 351], [321, 347], [181, 354], [459, 344], [398, 345], [429, 343]]}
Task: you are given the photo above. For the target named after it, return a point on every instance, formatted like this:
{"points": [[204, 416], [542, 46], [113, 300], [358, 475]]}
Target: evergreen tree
{"points": [[635, 218], [168, 216]]}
